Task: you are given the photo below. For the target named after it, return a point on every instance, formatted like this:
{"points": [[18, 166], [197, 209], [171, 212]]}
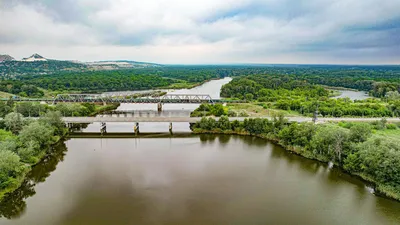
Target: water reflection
{"points": [[14, 205]]}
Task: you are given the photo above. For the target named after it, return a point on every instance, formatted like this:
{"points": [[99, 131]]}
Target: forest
{"points": [[286, 92], [350, 146], [98, 81], [67, 76]]}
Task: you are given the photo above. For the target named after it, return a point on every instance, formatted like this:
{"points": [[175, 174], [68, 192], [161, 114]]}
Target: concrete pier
{"points": [[159, 107], [136, 128]]}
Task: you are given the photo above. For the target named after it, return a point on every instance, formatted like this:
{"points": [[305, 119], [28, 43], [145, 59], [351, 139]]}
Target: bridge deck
{"points": [[196, 119]]}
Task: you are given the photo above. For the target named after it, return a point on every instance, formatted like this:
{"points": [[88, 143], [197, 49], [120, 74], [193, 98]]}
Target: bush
{"points": [[391, 126]]}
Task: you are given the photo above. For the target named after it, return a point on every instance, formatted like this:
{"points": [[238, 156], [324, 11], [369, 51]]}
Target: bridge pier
{"points": [[103, 128], [170, 128], [136, 128], [159, 107]]}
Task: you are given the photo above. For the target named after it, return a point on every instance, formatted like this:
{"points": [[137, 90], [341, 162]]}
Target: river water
{"points": [[193, 179], [353, 95]]}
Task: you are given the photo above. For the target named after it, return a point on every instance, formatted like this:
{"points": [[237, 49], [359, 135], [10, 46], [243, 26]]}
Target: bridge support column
{"points": [[159, 107], [170, 128], [103, 128], [136, 128]]}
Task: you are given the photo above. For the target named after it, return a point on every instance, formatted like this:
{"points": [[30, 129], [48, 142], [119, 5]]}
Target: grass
{"points": [[390, 134], [5, 95], [257, 110]]}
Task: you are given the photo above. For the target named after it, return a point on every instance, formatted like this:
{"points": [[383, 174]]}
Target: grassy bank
{"points": [[104, 108]]}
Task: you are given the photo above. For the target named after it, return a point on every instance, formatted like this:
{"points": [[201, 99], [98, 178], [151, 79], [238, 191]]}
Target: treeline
{"points": [[270, 88], [351, 147], [20, 88], [24, 143], [96, 81], [215, 110], [33, 109]]}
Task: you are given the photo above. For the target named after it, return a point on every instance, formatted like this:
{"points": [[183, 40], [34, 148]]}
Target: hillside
{"points": [[33, 58], [6, 58], [120, 64], [12, 69]]}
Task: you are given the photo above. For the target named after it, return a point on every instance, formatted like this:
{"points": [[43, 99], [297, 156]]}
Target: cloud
{"points": [[207, 31]]}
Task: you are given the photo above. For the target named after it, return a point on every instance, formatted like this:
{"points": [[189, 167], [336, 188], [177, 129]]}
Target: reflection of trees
{"points": [[207, 137], [76, 127], [13, 205], [224, 139]]}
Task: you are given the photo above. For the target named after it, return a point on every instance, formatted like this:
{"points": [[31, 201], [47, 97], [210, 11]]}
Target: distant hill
{"points": [[116, 64], [6, 58], [12, 69], [33, 58]]}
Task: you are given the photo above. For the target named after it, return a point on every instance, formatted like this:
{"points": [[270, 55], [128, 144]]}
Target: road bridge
{"points": [[108, 119], [158, 119]]}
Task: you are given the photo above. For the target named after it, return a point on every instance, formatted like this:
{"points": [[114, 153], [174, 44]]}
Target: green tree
{"points": [[360, 132], [14, 122], [217, 110], [224, 123], [10, 168]]}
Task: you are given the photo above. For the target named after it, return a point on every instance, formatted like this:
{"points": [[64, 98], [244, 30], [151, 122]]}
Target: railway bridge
{"points": [[104, 99]]}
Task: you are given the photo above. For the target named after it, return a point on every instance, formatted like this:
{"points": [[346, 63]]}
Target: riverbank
{"points": [[104, 108], [29, 143], [355, 151]]}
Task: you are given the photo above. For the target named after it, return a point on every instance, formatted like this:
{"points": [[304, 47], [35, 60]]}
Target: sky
{"points": [[204, 32]]}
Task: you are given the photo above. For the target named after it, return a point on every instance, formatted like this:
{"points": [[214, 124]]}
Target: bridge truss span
{"points": [[169, 98]]}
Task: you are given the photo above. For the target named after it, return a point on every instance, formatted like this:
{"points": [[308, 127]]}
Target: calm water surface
{"points": [[193, 180], [353, 95]]}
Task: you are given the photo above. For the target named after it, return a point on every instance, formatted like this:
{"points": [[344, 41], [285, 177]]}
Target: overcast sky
{"points": [[204, 32]]}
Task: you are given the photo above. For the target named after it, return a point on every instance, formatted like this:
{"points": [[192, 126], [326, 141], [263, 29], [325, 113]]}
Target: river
{"points": [[192, 179], [353, 95]]}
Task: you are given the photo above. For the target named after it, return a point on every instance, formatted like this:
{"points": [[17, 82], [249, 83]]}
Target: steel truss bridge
{"points": [[98, 98]]}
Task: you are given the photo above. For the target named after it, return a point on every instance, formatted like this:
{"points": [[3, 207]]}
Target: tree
{"points": [[217, 110], [4, 109], [224, 123], [10, 168], [360, 132], [38, 132], [329, 141], [14, 122], [54, 119], [249, 96]]}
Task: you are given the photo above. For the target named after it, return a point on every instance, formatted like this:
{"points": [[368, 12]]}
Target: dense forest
{"points": [[68, 76], [289, 93], [351, 146], [97, 81]]}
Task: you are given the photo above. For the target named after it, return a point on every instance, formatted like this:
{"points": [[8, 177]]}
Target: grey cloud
{"points": [[254, 28]]}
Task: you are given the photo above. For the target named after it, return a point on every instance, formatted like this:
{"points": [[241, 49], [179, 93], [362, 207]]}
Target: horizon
{"points": [[211, 32], [205, 64]]}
